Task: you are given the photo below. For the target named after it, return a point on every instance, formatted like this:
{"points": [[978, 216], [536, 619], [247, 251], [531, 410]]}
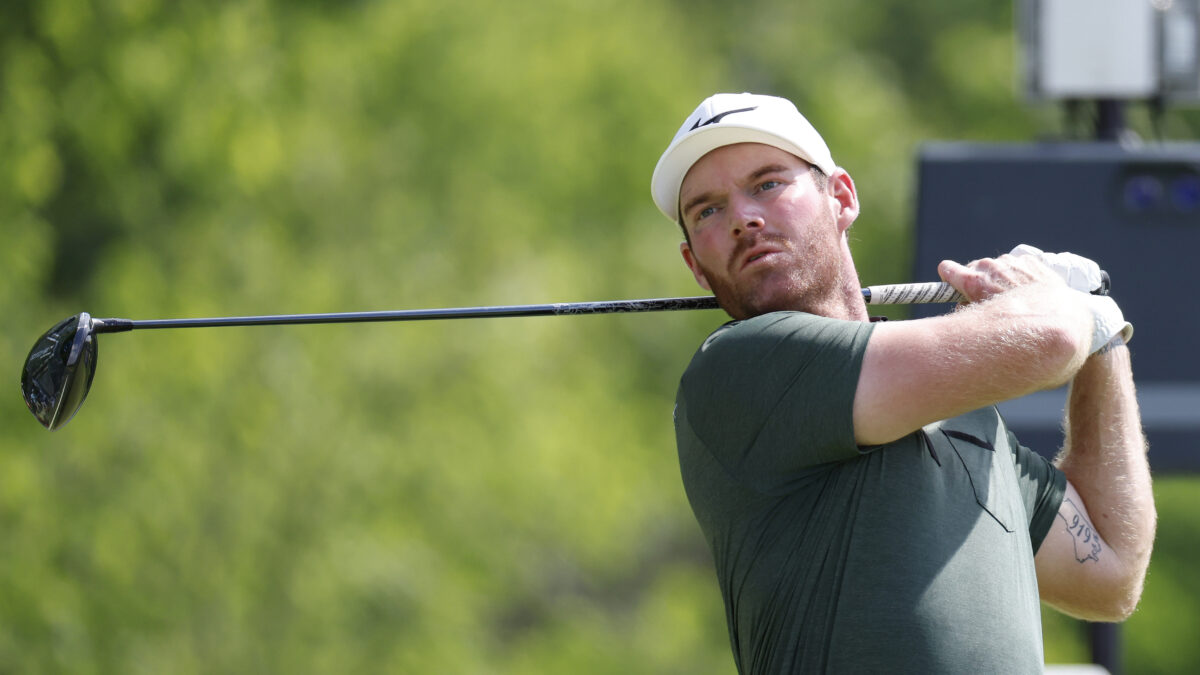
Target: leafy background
{"points": [[481, 497]]}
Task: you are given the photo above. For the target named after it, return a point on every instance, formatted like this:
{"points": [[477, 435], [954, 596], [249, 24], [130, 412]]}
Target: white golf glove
{"points": [[1108, 324], [1083, 275], [1079, 272]]}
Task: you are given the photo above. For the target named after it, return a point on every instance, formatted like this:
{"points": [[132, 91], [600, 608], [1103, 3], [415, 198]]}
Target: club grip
{"points": [[911, 294], [936, 291]]}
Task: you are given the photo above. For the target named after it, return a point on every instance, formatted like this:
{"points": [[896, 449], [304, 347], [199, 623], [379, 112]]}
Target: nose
{"points": [[745, 215]]}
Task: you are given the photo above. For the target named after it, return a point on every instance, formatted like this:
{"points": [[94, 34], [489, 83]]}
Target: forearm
{"points": [[1105, 459], [917, 372]]}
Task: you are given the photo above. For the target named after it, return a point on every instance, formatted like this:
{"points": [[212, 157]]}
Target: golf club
{"points": [[59, 370]]}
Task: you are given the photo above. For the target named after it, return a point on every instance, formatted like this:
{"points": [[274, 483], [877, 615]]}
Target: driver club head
{"points": [[59, 370]]}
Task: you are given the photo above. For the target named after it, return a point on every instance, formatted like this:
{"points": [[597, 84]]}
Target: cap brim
{"points": [[677, 161]]}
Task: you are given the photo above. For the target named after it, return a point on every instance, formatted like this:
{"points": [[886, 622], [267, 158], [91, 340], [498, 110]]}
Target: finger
{"points": [[957, 275], [980, 279], [1020, 267], [949, 270], [1026, 250]]}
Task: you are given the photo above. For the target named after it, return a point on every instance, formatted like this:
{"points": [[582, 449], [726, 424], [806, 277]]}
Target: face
{"points": [[763, 236]]}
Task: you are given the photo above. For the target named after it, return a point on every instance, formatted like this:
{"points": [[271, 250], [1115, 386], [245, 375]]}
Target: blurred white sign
{"points": [[1118, 49]]}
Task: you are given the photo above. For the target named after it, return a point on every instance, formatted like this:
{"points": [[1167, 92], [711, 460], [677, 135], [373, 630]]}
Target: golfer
{"points": [[866, 506]]}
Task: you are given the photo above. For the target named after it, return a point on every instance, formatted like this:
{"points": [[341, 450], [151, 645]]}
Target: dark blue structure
{"points": [[1134, 211]]}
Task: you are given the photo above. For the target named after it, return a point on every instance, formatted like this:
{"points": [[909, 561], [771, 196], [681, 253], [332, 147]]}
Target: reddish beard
{"points": [[807, 280]]}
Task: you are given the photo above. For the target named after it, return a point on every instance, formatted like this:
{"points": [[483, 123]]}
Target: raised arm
{"points": [[1093, 561], [1025, 330]]}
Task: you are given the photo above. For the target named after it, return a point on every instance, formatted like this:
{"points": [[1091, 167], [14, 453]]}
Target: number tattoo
{"points": [[1083, 535]]}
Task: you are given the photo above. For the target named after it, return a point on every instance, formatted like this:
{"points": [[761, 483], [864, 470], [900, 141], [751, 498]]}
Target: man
{"points": [[866, 506]]}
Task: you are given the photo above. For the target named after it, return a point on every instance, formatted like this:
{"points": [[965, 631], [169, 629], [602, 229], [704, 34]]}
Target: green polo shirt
{"points": [[915, 556]]}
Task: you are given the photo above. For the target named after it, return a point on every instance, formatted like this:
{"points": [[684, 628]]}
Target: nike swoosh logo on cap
{"points": [[717, 118]]}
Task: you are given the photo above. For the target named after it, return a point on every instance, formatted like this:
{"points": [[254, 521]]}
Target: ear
{"points": [[844, 198], [690, 259]]}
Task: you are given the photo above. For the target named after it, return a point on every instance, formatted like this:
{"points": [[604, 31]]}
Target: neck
{"points": [[846, 300]]}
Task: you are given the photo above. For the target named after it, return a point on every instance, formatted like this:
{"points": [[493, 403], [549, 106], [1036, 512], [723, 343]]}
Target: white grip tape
{"points": [[911, 294]]}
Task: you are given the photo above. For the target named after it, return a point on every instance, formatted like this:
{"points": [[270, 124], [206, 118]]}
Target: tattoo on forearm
{"points": [[1083, 535]]}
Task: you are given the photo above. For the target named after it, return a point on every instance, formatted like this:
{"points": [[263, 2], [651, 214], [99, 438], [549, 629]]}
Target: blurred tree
{"points": [[493, 496]]}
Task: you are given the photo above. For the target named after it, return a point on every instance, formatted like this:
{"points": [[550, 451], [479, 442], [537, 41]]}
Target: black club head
{"points": [[59, 370]]}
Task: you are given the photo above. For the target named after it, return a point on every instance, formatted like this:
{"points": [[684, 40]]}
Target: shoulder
{"points": [[760, 360], [764, 334], [983, 427]]}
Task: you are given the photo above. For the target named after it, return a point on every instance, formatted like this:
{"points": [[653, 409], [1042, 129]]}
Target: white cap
{"points": [[726, 119]]}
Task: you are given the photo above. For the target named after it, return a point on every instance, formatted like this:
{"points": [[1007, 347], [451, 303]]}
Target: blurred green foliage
{"points": [[478, 497]]}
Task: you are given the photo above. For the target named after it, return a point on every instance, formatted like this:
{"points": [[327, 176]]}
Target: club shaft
{"points": [[554, 309], [875, 295]]}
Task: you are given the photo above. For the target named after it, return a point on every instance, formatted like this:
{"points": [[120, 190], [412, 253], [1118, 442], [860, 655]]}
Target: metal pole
{"points": [[1110, 119], [1105, 639]]}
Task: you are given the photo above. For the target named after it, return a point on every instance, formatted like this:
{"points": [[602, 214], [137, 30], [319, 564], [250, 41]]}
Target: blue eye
{"points": [[706, 212], [768, 185]]}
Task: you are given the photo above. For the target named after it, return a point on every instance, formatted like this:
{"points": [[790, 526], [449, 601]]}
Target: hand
{"points": [[983, 278], [1082, 274], [1079, 272]]}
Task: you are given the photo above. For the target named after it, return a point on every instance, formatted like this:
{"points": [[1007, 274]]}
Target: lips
{"points": [[756, 254]]}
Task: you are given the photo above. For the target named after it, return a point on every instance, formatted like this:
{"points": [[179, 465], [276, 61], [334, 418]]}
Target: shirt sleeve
{"points": [[773, 396], [1043, 487]]}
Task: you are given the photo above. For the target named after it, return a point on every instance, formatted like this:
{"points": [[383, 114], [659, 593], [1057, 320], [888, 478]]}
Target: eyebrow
{"points": [[754, 175]]}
